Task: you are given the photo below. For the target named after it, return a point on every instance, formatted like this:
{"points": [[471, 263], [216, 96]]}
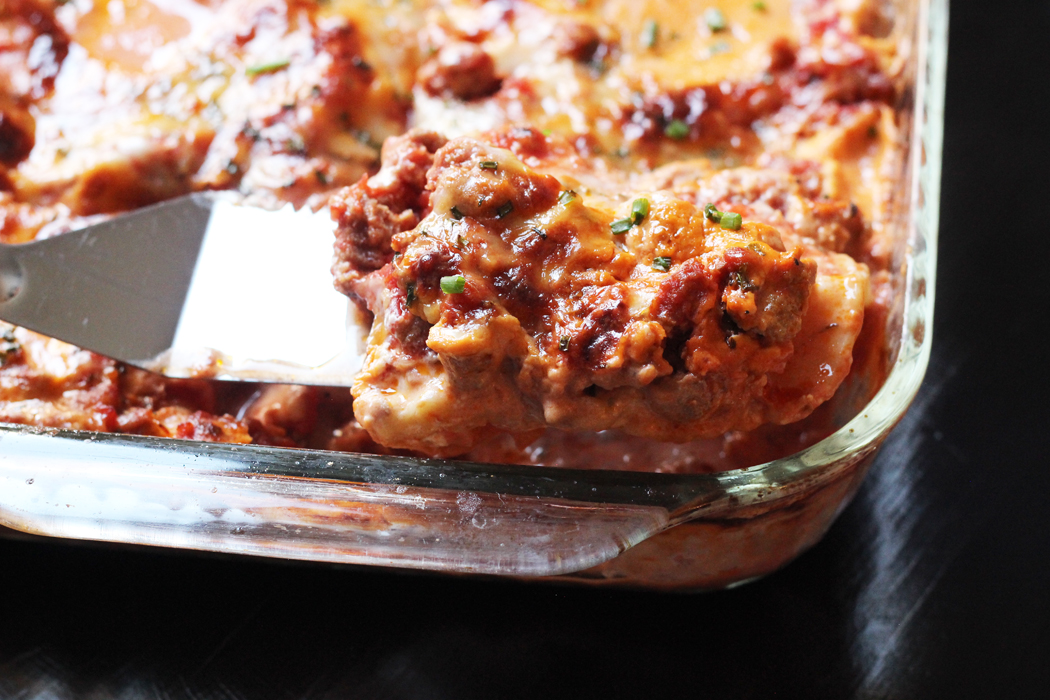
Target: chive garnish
{"points": [[566, 196], [715, 20], [731, 220], [321, 176], [488, 165], [271, 67], [758, 6], [676, 129], [539, 232], [639, 210], [728, 220], [563, 343], [649, 33], [460, 243], [410, 293], [504, 209], [719, 47], [453, 284], [662, 263], [456, 213]]}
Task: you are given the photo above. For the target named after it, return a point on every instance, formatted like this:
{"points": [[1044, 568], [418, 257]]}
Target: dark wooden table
{"points": [[935, 583]]}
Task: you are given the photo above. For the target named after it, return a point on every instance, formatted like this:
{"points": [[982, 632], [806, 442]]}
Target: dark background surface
{"points": [[935, 583]]}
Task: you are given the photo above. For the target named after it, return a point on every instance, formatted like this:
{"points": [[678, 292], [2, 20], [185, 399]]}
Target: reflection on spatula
{"points": [[197, 286]]}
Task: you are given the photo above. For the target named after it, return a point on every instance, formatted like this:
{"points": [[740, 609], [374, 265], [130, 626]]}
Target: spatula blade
{"points": [[197, 286]]}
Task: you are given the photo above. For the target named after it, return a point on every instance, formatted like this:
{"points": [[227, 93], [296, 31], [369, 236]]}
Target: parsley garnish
{"points": [[662, 263]]}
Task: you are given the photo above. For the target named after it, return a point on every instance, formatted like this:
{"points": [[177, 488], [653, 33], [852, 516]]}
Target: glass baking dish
{"points": [[690, 532]]}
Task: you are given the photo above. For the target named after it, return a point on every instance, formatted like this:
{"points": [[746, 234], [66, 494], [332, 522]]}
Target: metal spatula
{"points": [[197, 286]]}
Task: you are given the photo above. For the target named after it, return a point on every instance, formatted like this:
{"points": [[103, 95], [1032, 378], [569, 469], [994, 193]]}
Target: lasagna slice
{"points": [[517, 285]]}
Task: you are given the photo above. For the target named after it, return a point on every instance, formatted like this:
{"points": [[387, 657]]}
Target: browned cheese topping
{"points": [[665, 219]]}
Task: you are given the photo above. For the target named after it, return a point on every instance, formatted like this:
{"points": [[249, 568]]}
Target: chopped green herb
{"points": [[546, 132], [321, 176], [712, 213], [714, 19], [563, 343], [731, 220], [488, 165], [271, 67], [650, 31], [504, 210], [621, 226], [676, 129], [456, 213], [410, 293], [453, 284], [758, 6], [662, 263], [460, 243], [639, 210], [598, 66], [566, 196], [8, 344], [872, 131], [539, 232], [739, 279], [295, 145]]}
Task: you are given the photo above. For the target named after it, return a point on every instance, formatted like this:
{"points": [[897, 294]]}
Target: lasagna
{"points": [[643, 234]]}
